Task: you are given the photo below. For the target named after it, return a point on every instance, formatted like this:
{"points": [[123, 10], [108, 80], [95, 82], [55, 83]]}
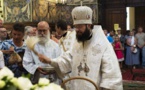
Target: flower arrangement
{"points": [[9, 82]]}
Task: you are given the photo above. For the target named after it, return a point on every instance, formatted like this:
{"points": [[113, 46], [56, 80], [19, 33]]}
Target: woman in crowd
{"points": [[132, 54]]}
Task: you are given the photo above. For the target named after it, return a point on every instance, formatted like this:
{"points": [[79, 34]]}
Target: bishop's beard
{"points": [[84, 36], [43, 39]]}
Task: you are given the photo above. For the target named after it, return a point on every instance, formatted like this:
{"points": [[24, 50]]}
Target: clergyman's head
{"points": [[82, 20], [43, 32]]}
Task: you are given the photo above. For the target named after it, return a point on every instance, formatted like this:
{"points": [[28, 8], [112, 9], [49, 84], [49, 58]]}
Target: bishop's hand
{"points": [[44, 59]]}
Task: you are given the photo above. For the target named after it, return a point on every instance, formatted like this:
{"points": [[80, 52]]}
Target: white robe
{"points": [[66, 44], [101, 60], [1, 60], [31, 61], [67, 41]]}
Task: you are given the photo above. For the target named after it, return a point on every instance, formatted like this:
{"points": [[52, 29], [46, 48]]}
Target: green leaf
{"points": [[10, 87], [26, 76]]}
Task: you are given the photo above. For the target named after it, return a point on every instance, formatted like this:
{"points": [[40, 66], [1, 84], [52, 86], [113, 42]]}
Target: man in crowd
{"points": [[44, 46], [29, 31], [141, 44], [111, 36], [69, 27], [92, 56], [3, 34], [16, 45], [35, 30], [105, 32], [67, 37]]}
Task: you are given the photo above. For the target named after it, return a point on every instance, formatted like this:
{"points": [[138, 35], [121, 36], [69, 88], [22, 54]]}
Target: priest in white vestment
{"points": [[44, 46], [66, 41], [67, 37], [92, 56]]}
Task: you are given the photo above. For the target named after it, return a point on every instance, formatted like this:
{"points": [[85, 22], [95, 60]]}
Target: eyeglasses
{"points": [[42, 30]]}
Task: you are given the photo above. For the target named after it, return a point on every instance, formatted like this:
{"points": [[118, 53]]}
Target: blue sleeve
{"points": [[109, 39], [4, 46]]}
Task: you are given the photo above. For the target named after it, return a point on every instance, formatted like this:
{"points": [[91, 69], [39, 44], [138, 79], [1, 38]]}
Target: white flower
{"points": [[40, 88], [52, 86], [34, 87], [43, 82], [14, 81], [24, 83], [2, 84], [6, 72]]}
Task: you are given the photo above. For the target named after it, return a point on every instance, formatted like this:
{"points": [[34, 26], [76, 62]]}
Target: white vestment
{"points": [[100, 58], [67, 42], [1, 60], [31, 61]]}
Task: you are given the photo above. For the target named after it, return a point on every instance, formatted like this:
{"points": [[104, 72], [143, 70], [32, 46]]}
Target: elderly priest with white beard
{"points": [[44, 46], [92, 56]]}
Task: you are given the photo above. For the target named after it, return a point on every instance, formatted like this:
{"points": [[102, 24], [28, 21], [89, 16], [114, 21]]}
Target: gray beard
{"points": [[43, 40]]}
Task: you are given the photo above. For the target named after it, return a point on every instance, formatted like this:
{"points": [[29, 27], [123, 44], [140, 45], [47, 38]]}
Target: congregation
{"points": [[129, 48]]}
